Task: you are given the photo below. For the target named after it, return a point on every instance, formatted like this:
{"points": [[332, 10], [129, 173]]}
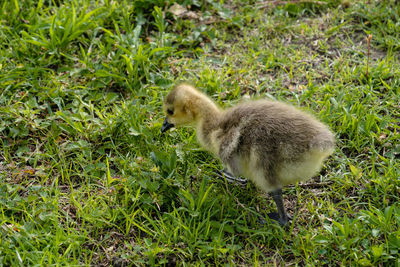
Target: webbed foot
{"points": [[282, 221], [274, 217]]}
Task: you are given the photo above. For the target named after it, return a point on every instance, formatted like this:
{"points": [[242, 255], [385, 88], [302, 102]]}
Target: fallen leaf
{"points": [[177, 10], [191, 15], [382, 136]]}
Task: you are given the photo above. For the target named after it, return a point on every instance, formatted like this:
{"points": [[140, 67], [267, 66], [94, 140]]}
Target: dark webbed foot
{"points": [[274, 217], [282, 221]]}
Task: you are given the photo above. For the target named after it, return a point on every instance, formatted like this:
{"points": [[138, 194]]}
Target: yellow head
{"points": [[180, 107], [185, 106]]}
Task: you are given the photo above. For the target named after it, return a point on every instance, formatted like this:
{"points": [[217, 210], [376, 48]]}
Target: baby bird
{"points": [[271, 143]]}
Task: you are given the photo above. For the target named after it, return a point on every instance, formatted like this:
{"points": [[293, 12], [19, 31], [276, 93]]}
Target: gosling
{"points": [[271, 143]]}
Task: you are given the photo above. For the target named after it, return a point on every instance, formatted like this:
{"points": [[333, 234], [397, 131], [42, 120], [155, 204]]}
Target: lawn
{"points": [[86, 178]]}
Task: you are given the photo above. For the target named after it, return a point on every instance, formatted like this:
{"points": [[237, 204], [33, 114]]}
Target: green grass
{"points": [[86, 178]]}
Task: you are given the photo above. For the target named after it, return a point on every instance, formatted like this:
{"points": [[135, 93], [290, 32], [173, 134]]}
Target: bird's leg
{"points": [[230, 178], [281, 216], [227, 174], [231, 171]]}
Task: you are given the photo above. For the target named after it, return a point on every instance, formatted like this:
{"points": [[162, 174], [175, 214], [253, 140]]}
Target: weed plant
{"points": [[86, 178]]}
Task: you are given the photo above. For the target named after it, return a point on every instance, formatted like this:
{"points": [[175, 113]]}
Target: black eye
{"points": [[170, 111]]}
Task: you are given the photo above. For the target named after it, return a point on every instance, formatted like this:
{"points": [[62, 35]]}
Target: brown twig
{"points": [[268, 4], [313, 185], [369, 38]]}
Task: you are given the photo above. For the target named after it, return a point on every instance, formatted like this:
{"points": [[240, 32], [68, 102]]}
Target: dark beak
{"points": [[166, 126]]}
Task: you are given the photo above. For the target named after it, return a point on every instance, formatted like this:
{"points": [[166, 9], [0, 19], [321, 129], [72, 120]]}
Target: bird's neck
{"points": [[207, 123], [208, 112]]}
